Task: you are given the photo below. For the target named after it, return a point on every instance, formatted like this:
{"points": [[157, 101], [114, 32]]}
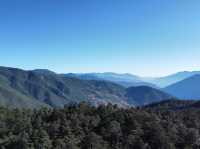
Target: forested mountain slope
{"points": [[105, 127]]}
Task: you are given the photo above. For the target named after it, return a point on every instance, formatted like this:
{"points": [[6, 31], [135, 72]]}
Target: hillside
{"points": [[144, 95], [186, 89], [33, 88]]}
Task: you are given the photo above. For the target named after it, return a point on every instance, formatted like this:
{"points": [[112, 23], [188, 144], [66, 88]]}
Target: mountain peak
{"points": [[43, 71]]}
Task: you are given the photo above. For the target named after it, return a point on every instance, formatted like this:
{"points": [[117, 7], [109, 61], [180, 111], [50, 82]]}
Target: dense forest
{"points": [[82, 126]]}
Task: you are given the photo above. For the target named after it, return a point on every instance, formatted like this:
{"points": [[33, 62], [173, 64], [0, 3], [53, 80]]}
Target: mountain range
{"points": [[44, 88]]}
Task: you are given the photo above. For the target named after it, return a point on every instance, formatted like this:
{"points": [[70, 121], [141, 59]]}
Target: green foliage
{"points": [[105, 127]]}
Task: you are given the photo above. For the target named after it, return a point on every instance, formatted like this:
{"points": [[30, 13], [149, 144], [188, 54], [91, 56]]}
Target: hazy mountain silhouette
{"points": [[171, 79], [186, 89], [126, 80]]}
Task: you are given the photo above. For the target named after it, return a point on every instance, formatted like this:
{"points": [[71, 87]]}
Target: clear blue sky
{"points": [[144, 37]]}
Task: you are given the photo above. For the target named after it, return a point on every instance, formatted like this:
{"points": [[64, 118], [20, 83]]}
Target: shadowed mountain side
{"points": [[144, 95]]}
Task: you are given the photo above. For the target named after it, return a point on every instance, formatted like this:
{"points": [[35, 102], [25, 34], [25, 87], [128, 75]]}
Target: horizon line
{"points": [[101, 72]]}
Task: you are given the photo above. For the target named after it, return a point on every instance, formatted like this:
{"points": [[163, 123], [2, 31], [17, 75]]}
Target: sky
{"points": [[143, 37]]}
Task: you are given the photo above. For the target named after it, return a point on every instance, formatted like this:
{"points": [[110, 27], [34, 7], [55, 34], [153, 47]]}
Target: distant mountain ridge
{"points": [[106, 76], [126, 80]]}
